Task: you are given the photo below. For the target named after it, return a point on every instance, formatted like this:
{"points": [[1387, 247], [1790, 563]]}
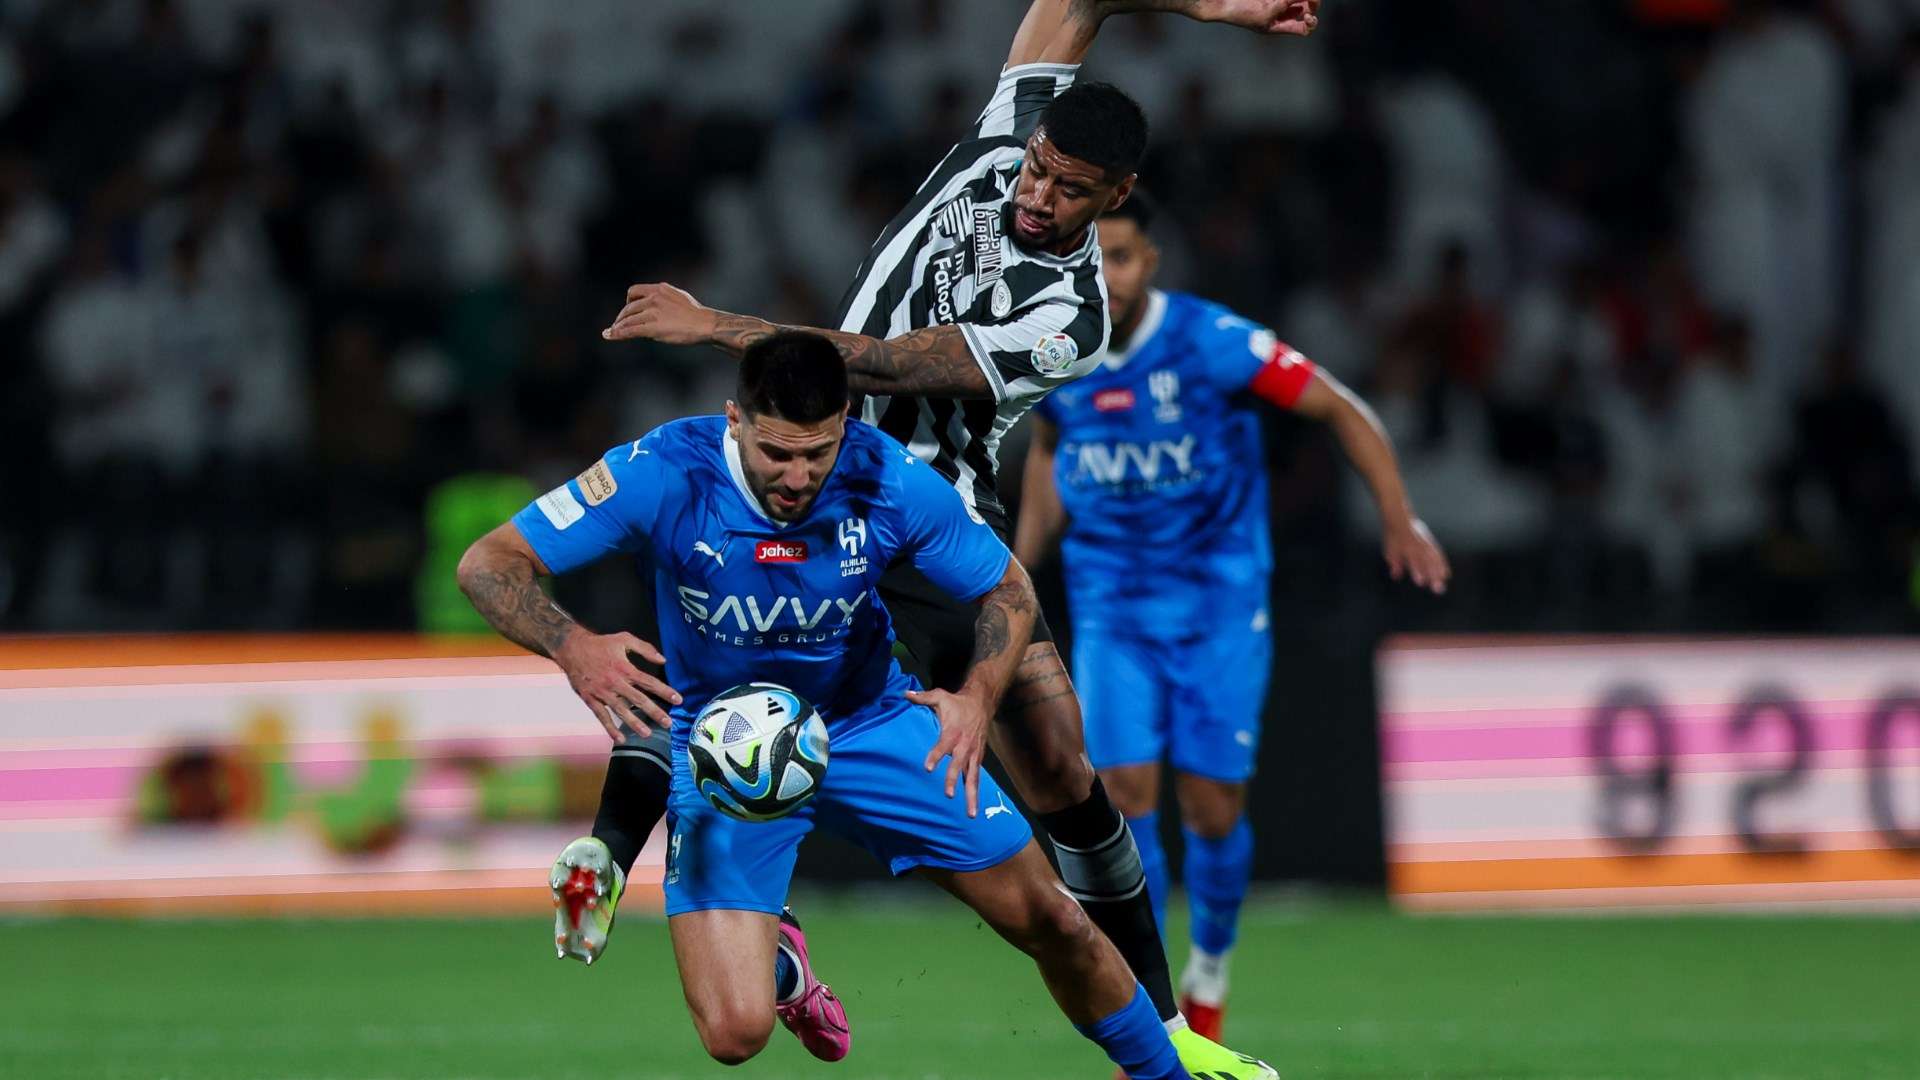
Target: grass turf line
{"points": [[1321, 993]]}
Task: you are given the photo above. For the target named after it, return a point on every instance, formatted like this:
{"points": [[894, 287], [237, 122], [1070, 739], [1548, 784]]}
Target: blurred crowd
{"points": [[297, 297]]}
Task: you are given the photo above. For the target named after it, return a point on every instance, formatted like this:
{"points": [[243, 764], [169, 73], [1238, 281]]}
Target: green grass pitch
{"points": [[1319, 992]]}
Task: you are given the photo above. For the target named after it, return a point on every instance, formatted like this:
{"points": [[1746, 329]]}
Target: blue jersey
{"points": [[1160, 470], [744, 598]]}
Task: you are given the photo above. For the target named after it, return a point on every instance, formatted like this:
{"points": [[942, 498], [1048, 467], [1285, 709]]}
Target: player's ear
{"points": [[734, 419], [1121, 191]]}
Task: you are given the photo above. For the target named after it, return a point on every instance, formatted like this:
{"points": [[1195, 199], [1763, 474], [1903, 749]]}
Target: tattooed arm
{"points": [[936, 361], [500, 573], [1000, 635]]}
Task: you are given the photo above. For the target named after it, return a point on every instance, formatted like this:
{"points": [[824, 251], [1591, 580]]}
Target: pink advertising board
{"points": [[1621, 773]]}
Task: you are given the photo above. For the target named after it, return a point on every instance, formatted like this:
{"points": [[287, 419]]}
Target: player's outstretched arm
{"points": [[1061, 31], [936, 361], [1042, 517], [500, 573], [1000, 635], [1406, 542]]}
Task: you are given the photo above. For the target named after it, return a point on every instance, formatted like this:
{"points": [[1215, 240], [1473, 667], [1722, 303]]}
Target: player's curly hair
{"points": [[1099, 124], [794, 375]]}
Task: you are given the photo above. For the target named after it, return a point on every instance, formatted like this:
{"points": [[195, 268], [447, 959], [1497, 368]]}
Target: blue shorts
{"points": [[1196, 700], [877, 793]]}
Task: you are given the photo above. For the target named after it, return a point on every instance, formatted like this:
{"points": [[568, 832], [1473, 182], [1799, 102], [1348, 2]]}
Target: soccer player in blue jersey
{"points": [[1151, 466], [766, 533]]}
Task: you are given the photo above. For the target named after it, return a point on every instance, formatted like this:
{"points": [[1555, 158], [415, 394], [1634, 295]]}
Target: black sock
{"points": [[1101, 866], [632, 801]]}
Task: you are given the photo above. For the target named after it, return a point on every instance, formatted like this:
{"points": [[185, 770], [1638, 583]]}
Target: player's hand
{"points": [[663, 313], [602, 672], [1296, 17], [1411, 551], [963, 739]]}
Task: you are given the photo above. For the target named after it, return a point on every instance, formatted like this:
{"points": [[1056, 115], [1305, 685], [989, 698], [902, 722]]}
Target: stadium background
{"points": [[299, 298]]}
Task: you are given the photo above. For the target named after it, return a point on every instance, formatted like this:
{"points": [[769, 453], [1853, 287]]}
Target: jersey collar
{"points": [[730, 446], [730, 449], [1149, 326]]}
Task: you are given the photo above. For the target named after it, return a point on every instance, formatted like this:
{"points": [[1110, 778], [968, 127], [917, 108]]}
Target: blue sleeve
{"points": [[609, 508], [1234, 349], [944, 538]]}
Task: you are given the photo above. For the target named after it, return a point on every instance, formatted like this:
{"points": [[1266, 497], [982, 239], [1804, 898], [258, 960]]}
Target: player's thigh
{"points": [[1037, 734], [879, 794], [726, 972], [1219, 692], [1123, 699], [715, 862]]}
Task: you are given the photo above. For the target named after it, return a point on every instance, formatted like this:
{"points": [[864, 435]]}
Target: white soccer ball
{"points": [[758, 751]]}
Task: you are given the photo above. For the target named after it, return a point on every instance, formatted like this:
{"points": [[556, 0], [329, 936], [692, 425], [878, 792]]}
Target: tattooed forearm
{"points": [[737, 333], [934, 361], [1001, 632], [504, 592]]}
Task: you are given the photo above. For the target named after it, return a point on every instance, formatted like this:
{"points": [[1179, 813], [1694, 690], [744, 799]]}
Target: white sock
{"points": [[1205, 978]]}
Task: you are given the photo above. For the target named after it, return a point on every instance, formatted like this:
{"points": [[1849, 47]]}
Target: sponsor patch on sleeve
{"points": [[560, 507], [597, 484], [1054, 354]]}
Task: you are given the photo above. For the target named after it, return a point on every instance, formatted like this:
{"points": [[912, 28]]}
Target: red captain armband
{"points": [[1284, 376]]}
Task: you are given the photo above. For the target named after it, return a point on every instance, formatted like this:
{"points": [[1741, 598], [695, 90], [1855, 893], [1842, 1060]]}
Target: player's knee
{"points": [[1210, 821], [732, 1037], [1211, 808], [1053, 922]]}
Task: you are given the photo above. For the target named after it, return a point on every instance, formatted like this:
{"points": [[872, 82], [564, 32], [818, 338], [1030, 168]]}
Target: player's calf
{"points": [[1022, 900]]}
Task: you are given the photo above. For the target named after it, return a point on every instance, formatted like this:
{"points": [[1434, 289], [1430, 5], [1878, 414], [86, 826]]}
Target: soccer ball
{"points": [[758, 752]]}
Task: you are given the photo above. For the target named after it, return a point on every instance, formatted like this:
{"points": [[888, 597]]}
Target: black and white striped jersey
{"points": [[1034, 320]]}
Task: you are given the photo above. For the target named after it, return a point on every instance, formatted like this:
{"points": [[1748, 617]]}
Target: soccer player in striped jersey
{"points": [[978, 299], [1151, 468]]}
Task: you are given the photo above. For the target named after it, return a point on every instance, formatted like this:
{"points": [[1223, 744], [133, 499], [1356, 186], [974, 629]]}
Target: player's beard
{"points": [[793, 511]]}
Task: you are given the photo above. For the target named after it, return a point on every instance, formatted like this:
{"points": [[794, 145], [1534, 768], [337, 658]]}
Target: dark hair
{"points": [[794, 375], [1137, 209], [1099, 124]]}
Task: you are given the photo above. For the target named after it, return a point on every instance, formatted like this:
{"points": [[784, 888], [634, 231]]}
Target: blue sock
{"points": [[1136, 1040], [786, 975], [1217, 873], [1153, 863]]}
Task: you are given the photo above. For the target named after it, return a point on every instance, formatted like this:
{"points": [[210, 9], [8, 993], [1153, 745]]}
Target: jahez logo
{"points": [[780, 551], [1119, 400]]}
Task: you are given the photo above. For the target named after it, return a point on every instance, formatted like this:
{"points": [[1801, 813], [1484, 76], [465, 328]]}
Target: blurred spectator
{"points": [[1449, 177], [1852, 456], [1763, 127], [357, 251]]}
